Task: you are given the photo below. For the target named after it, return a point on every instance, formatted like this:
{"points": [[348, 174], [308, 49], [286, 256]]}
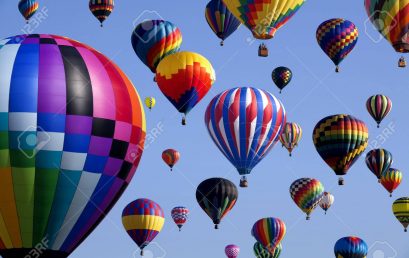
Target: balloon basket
{"points": [[222, 43], [216, 226], [402, 62], [263, 50], [337, 69], [243, 182], [184, 121], [341, 181]]}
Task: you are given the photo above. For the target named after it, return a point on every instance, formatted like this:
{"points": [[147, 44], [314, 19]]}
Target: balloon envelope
{"points": [[232, 251], [101, 9], [261, 252], [379, 107], [378, 161], [307, 193], [28, 8], [170, 157], [291, 136], [326, 201], [72, 134], [400, 209], [391, 179], [180, 215], [351, 247], [269, 232], [281, 77]]}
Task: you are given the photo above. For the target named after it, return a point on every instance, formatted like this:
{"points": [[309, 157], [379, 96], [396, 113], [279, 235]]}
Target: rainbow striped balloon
{"points": [[263, 17], [340, 140], [269, 232], [291, 136], [220, 19], [153, 40], [337, 38], [391, 179], [350, 247], [28, 8], [379, 107], [307, 193], [143, 219]]}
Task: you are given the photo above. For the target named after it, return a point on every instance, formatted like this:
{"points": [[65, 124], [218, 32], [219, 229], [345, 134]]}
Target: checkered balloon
{"points": [[232, 251]]}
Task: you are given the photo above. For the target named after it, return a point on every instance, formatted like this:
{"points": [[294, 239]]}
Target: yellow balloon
{"points": [[150, 102], [400, 209]]}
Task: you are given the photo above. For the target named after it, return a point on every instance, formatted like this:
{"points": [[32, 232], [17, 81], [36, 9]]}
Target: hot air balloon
{"points": [[216, 196], [269, 232], [379, 107], [28, 8], [101, 9], [400, 209], [221, 20], [337, 38], [245, 123], [307, 193], [65, 155], [391, 19], [232, 251], [180, 215], [143, 220], [261, 252], [391, 179], [263, 17], [281, 77], [153, 40], [378, 161], [340, 140], [291, 136], [185, 78], [150, 102], [326, 201], [351, 247], [170, 157]]}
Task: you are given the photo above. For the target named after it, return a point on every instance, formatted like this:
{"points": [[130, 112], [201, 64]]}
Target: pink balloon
{"points": [[232, 251]]}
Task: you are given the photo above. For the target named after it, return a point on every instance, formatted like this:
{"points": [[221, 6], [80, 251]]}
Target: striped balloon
{"points": [[180, 215], [185, 78], [400, 209], [269, 232], [245, 123], [281, 77], [351, 247], [263, 17], [72, 131], [307, 193], [379, 107], [337, 38], [143, 219], [153, 40], [378, 161], [150, 102], [391, 179], [340, 140], [261, 252], [291, 136], [216, 197], [326, 201], [28, 8], [170, 157], [101, 9], [220, 19], [232, 251], [390, 18]]}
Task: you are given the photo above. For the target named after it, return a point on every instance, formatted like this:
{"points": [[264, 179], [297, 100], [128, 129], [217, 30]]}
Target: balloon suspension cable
{"points": [[183, 120], [222, 43], [340, 181], [337, 69]]}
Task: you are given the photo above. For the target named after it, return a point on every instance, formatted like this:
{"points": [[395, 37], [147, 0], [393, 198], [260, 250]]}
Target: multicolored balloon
{"points": [[101, 9], [391, 179], [28, 8], [153, 40], [307, 193], [340, 140], [185, 78], [337, 38], [150, 102], [379, 107], [281, 77], [351, 247], [291, 136], [390, 18], [245, 123], [143, 220], [221, 20], [232, 251], [378, 161], [170, 157], [216, 196], [400, 209], [65, 155], [326, 201], [261, 252], [269, 232], [180, 215]]}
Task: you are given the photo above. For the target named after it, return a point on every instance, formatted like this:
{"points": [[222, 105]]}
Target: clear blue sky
{"points": [[362, 207]]}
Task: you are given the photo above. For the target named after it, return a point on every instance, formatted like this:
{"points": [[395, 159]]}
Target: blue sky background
{"points": [[362, 207]]}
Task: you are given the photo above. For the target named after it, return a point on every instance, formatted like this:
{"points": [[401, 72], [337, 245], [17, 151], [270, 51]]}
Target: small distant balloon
{"points": [[232, 251], [150, 102], [379, 107], [28, 8], [180, 216], [281, 77], [269, 232], [307, 193], [378, 161], [170, 157], [391, 179], [291, 136], [101, 9], [326, 201], [400, 209]]}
